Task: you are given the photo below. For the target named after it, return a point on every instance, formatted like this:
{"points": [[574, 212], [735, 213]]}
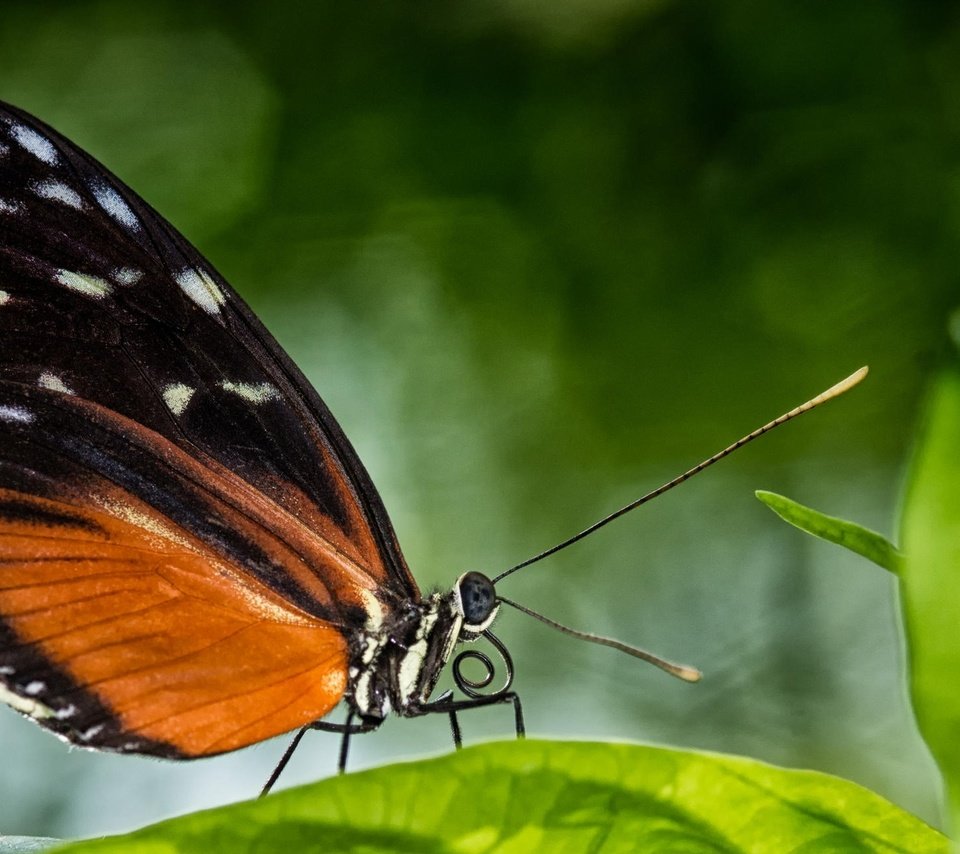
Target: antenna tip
{"points": [[841, 387], [687, 674], [852, 380]]}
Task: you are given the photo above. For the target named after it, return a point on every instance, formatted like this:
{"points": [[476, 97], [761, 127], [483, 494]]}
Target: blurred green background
{"points": [[539, 258]]}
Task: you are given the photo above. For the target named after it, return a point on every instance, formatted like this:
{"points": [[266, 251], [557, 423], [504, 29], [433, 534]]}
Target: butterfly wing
{"points": [[139, 394]]}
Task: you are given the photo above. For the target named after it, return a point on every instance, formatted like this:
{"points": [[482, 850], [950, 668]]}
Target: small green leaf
{"points": [[552, 796], [862, 541], [931, 593]]}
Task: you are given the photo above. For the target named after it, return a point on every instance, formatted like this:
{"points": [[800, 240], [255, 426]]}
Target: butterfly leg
{"points": [[454, 722], [518, 716], [283, 762], [345, 729], [455, 731], [452, 707], [505, 697], [345, 745]]}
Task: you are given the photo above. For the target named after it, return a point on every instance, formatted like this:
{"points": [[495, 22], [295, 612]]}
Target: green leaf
{"points": [[862, 541], [931, 579], [552, 796]]}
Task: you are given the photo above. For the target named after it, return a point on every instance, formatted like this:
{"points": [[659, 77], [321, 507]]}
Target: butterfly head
{"points": [[476, 599]]}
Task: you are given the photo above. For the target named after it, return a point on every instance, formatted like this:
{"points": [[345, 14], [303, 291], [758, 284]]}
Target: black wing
{"points": [[102, 299]]}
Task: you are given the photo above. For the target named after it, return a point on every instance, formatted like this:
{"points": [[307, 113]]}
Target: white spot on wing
{"points": [[33, 708], [54, 383], [15, 413], [203, 290], [4, 297], [34, 688], [57, 191], [128, 276], [39, 146], [93, 732], [255, 393], [177, 396], [90, 286], [65, 712], [9, 207], [4, 149], [115, 205]]}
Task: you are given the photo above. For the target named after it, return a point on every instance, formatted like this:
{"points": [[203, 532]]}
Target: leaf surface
{"points": [[552, 796]]}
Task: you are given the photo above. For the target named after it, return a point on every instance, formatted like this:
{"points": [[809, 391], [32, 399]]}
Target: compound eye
{"points": [[478, 598]]}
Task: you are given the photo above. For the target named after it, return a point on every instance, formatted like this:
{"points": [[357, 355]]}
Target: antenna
{"points": [[823, 397], [681, 671]]}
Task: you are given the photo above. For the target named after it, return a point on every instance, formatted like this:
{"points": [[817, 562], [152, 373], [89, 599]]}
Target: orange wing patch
{"points": [[158, 631]]}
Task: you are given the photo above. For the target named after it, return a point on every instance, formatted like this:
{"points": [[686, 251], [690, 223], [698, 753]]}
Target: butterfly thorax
{"points": [[395, 664]]}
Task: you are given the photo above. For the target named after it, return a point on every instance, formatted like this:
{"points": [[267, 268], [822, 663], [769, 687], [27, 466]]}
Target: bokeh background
{"points": [[539, 258]]}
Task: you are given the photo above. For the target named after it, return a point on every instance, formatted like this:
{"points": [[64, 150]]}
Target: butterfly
{"points": [[193, 558]]}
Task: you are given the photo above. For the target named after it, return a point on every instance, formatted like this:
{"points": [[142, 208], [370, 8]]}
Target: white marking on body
{"points": [[361, 693], [4, 297], [90, 286], [411, 665], [4, 149], [373, 644], [371, 604], [452, 638], [115, 205], [202, 289], [33, 708], [57, 191], [54, 383], [7, 671], [371, 648], [34, 688], [38, 145], [177, 396], [128, 276], [255, 393], [9, 207], [15, 413]]}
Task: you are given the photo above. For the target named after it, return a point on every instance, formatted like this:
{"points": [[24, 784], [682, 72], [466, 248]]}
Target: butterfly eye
{"points": [[478, 600]]}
